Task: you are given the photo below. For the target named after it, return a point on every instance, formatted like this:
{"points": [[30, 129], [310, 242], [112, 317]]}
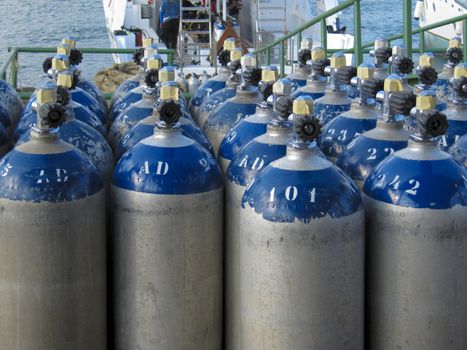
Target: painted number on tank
{"points": [[443, 141], [160, 168], [373, 152], [414, 185], [232, 135], [291, 194], [258, 163], [5, 168], [59, 176]]}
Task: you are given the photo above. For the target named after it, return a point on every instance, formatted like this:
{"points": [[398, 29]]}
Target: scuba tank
{"points": [[254, 125], [236, 108], [457, 108], [300, 251], [401, 65], [53, 234], [367, 150], [168, 237], [217, 82], [316, 82], [302, 70], [427, 77], [454, 56], [216, 99], [150, 78], [459, 150], [381, 54], [6, 119], [78, 133], [145, 128], [335, 100], [361, 117], [416, 212], [11, 100]]}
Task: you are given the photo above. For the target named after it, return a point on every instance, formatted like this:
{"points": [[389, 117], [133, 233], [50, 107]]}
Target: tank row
{"points": [[324, 210]]}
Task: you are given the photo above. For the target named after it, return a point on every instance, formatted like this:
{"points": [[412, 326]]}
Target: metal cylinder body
{"points": [[331, 105], [381, 73], [229, 114], [124, 87], [313, 88], [207, 88], [416, 212], [301, 241], [459, 150], [53, 252], [167, 246], [145, 128], [4, 141], [457, 118], [242, 133], [132, 96], [365, 152], [341, 130], [300, 76], [10, 98], [94, 91], [6, 120], [213, 101], [28, 119]]}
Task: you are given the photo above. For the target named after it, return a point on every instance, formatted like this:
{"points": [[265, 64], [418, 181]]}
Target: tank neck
{"points": [[163, 131], [45, 135], [297, 150], [422, 144], [314, 78], [397, 123], [277, 127]]}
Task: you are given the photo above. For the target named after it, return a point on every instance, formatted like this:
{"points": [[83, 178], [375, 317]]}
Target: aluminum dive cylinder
{"points": [[167, 242], [248, 161], [381, 54], [150, 79], [53, 231], [427, 77], [459, 150], [140, 109], [80, 135], [301, 246], [341, 130], [215, 83], [302, 70], [457, 108], [316, 81], [252, 126], [214, 100], [236, 108], [416, 206], [145, 128], [335, 100], [10, 98], [402, 65], [370, 148], [454, 56]]}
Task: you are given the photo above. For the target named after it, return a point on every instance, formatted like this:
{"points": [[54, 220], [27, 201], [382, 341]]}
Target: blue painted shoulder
{"points": [[433, 184], [60, 177], [177, 171], [210, 86], [327, 112], [285, 196], [313, 95], [230, 113]]}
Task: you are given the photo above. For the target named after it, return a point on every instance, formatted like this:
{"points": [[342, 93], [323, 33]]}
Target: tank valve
{"points": [[434, 123], [402, 102], [427, 75], [252, 76], [138, 56], [383, 54], [403, 65], [169, 111], [460, 87], [63, 95], [345, 74], [304, 55], [224, 58], [51, 115], [284, 107], [75, 57], [47, 64], [307, 128], [151, 77]]}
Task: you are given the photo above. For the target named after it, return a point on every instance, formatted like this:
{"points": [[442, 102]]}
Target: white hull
{"points": [[439, 10]]}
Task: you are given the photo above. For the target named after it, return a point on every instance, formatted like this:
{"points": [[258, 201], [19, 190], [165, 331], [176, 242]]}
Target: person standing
{"points": [[169, 19]]}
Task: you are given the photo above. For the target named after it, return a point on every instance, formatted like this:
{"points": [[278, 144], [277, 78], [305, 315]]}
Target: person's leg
{"points": [[175, 23], [165, 33]]}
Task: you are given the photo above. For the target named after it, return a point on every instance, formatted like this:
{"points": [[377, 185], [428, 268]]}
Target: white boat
{"points": [[260, 22], [431, 11]]}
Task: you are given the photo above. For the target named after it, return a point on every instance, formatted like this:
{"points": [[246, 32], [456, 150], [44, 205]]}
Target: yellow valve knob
{"points": [[154, 63], [338, 60], [460, 70], [45, 95], [303, 105], [63, 49], [170, 91], [381, 42], [65, 79], [393, 84], [365, 71], [166, 74], [307, 43], [455, 42], [148, 42], [230, 44], [270, 74], [425, 60], [60, 63], [70, 40], [248, 60], [282, 87], [236, 54], [318, 53], [426, 102]]}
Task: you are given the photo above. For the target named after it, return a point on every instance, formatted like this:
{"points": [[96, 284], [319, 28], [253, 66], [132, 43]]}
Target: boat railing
{"points": [[359, 48], [9, 69]]}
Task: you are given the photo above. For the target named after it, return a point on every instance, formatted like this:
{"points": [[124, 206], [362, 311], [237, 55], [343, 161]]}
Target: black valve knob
{"points": [[51, 114], [345, 74], [427, 75], [284, 107], [402, 102], [234, 66], [47, 64], [454, 55], [403, 64], [460, 87], [138, 56], [265, 89], [151, 77], [304, 55], [169, 111], [434, 123], [224, 57], [252, 75], [383, 54], [307, 128], [63, 95], [319, 66], [371, 87], [76, 57]]}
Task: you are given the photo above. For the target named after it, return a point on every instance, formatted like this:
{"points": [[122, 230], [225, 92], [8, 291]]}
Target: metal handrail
{"points": [[14, 53]]}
